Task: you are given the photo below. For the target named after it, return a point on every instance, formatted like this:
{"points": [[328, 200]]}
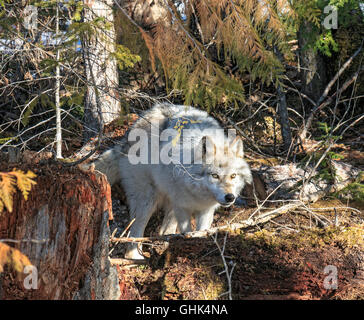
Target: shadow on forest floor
{"points": [[273, 263]]}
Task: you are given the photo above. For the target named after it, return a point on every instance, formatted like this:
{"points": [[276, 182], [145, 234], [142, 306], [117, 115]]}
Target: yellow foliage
{"points": [[8, 182], [6, 190], [12, 257], [24, 181]]}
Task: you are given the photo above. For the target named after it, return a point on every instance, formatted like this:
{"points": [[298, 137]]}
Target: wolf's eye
{"points": [[215, 176], [233, 176]]}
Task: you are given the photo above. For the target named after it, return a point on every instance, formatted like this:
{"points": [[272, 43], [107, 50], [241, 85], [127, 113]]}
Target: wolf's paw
{"points": [[133, 254]]}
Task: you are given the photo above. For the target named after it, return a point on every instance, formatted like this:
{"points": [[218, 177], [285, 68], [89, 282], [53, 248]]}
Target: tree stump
{"points": [[63, 229]]}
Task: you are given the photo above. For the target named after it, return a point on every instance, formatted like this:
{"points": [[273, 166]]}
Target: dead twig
{"points": [[25, 240], [261, 206], [320, 103], [323, 156], [228, 272], [126, 262], [122, 234], [251, 222]]}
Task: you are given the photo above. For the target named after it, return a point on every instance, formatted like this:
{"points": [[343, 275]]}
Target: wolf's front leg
{"points": [[184, 219], [169, 225], [141, 207], [204, 219], [134, 251]]}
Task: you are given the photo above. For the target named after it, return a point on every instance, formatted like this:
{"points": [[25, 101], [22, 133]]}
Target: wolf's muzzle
{"points": [[229, 197]]}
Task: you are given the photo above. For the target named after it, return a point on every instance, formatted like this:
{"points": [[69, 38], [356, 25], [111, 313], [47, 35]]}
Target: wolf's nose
{"points": [[229, 197]]}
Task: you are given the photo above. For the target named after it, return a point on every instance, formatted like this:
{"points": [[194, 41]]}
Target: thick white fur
{"points": [[181, 190]]}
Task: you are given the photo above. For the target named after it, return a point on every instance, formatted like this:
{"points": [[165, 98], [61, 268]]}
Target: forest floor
{"points": [[293, 256], [315, 251], [287, 258]]}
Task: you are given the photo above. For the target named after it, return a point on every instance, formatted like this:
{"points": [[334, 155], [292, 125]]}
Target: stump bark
{"points": [[63, 229]]}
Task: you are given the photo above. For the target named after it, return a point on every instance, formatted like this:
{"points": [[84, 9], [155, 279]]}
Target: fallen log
{"points": [[305, 184]]}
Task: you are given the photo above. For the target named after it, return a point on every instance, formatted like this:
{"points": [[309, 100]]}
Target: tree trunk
{"points": [[283, 111], [145, 12], [57, 97], [101, 101], [284, 119], [313, 74], [63, 229]]}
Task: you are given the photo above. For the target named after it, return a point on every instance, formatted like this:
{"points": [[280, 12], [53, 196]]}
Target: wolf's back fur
{"points": [[180, 190]]}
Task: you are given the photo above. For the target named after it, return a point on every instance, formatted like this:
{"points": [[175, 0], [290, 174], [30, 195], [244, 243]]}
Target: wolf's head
{"points": [[224, 170]]}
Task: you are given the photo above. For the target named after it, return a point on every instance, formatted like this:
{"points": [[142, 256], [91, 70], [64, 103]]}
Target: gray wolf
{"points": [[207, 172]]}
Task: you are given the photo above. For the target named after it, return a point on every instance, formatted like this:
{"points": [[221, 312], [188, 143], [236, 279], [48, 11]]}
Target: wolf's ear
{"points": [[205, 150], [237, 148]]}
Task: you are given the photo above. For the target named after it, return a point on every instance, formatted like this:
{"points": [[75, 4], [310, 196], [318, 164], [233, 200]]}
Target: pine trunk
{"points": [[313, 74], [283, 111], [284, 119]]}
